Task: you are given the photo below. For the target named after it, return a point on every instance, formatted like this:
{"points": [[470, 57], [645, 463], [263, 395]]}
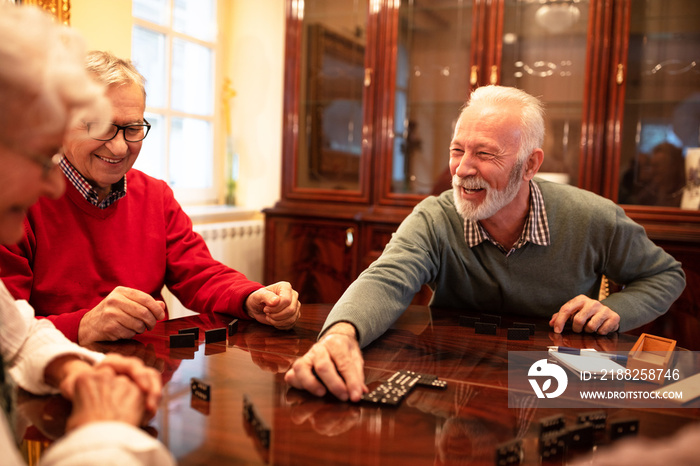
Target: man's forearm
{"points": [[343, 328]]}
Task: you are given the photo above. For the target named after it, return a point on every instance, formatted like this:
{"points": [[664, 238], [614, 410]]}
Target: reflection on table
{"points": [[462, 424]]}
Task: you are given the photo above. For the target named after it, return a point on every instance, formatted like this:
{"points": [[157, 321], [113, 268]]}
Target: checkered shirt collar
{"points": [[87, 191], [536, 228]]}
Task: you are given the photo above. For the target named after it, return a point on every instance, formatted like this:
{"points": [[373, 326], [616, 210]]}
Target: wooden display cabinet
{"points": [[319, 253], [364, 144]]}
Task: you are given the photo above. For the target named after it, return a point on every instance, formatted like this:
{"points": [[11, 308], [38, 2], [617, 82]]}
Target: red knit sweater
{"points": [[73, 255]]}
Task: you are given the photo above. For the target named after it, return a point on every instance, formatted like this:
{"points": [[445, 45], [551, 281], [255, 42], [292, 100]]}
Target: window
{"points": [[174, 47]]}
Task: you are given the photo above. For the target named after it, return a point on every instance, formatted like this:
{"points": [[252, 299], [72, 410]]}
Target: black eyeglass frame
{"points": [[123, 128], [47, 164]]}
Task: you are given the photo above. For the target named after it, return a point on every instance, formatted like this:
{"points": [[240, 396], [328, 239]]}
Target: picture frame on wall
{"points": [[58, 8]]}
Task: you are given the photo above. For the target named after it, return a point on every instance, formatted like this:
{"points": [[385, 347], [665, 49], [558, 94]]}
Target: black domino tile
{"points": [[597, 418], [580, 436], [531, 327], [518, 334], [399, 385], [185, 340], [233, 327], [467, 321], [552, 423], [215, 335], [623, 428], [200, 389], [509, 453], [193, 330], [428, 380], [485, 328], [258, 426], [553, 444]]}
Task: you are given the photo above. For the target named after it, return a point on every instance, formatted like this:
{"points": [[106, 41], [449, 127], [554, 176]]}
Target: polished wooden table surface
{"points": [[460, 425]]}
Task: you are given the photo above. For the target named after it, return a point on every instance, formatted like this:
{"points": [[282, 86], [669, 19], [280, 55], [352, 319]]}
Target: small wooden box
{"points": [[651, 352]]}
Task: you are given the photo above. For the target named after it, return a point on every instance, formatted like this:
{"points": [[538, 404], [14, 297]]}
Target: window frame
{"points": [[191, 196]]}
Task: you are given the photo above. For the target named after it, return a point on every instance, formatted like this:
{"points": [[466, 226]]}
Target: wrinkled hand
{"points": [[147, 380], [102, 395], [277, 305], [124, 313], [337, 361], [587, 315]]}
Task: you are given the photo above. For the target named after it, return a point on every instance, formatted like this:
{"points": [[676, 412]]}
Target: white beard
{"points": [[495, 199]]}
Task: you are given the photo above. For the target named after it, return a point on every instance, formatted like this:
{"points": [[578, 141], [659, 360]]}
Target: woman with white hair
{"points": [[44, 88]]}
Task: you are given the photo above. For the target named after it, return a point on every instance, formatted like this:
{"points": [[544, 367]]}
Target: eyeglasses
{"points": [[48, 164], [132, 133]]}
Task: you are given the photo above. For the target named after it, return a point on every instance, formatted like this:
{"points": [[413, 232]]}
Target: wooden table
{"points": [[462, 424]]}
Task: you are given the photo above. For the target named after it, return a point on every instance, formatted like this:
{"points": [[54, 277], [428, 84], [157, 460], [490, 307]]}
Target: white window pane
{"points": [[192, 79], [148, 55], [196, 18], [155, 11], [151, 159], [191, 153]]}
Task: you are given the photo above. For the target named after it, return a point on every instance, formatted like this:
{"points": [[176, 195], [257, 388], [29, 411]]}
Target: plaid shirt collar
{"points": [[88, 192], [536, 228]]}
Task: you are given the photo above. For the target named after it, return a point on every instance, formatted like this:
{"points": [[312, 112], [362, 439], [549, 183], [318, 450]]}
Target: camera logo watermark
{"points": [[547, 371]]}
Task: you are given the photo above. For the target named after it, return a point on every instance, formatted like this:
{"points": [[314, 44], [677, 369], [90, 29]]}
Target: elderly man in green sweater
{"points": [[500, 241]]}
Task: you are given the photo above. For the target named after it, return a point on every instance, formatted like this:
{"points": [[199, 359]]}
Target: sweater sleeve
{"points": [[17, 275], [381, 293], [28, 345], [193, 276], [15, 264], [652, 278]]}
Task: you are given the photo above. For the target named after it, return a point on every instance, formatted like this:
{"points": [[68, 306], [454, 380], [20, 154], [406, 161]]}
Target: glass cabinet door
{"points": [[539, 47], [331, 95], [544, 53], [430, 85], [660, 155]]}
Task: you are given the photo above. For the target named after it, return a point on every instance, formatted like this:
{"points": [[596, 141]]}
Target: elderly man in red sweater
{"points": [[94, 261]]}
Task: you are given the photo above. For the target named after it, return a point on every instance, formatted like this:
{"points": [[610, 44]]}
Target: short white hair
{"points": [[44, 86], [114, 71], [531, 113]]}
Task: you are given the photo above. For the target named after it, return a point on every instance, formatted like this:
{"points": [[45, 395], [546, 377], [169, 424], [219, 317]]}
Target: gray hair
{"points": [[114, 71], [44, 86], [531, 113]]}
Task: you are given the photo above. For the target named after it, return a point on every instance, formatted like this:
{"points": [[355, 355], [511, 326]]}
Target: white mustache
{"points": [[469, 183]]}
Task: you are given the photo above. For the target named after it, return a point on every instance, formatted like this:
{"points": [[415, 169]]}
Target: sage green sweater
{"points": [[590, 236]]}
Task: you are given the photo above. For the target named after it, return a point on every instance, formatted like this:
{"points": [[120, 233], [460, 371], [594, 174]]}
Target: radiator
{"points": [[237, 244]]}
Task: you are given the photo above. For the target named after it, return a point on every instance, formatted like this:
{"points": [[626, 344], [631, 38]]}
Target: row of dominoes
{"points": [[487, 324], [189, 337], [556, 438], [399, 385], [256, 423]]}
